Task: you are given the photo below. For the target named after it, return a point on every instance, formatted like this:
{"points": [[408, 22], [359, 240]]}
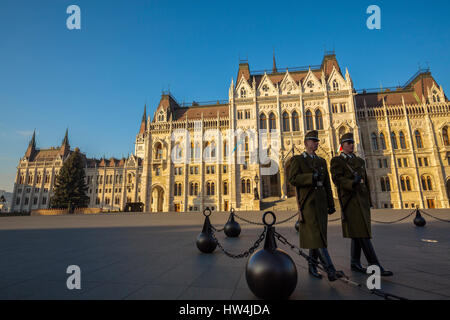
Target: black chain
{"points": [[344, 279], [395, 221], [245, 253], [262, 224], [248, 221], [218, 230], [427, 214]]}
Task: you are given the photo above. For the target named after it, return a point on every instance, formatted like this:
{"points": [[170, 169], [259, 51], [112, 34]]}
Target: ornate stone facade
{"points": [[220, 155]]}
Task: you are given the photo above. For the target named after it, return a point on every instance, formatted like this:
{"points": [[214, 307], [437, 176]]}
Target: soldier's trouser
{"points": [[355, 253], [371, 256], [312, 267], [328, 265]]}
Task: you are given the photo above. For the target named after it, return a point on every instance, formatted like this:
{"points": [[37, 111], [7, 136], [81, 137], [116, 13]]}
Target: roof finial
{"points": [[274, 69], [66, 138]]}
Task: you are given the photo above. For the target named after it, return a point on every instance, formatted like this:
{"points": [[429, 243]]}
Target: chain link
{"points": [[389, 222], [427, 214], [262, 224], [245, 253], [344, 279], [218, 230]]}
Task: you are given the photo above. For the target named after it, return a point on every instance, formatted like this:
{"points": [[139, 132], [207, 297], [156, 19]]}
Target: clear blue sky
{"points": [[96, 80]]}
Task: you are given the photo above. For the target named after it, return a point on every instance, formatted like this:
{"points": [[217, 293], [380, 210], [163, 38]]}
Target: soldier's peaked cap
{"points": [[312, 135], [347, 137]]}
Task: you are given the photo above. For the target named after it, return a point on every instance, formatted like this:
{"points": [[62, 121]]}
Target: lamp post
{"points": [[256, 188]]}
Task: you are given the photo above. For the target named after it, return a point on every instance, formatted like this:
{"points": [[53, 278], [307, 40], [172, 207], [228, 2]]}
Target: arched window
{"points": [[158, 151], [394, 141], [424, 183], [272, 121], [243, 93], [374, 141], [191, 189], [246, 144], [319, 120], [445, 136], [262, 121], [335, 85], [436, 96], [295, 121], [429, 185], [129, 178], [309, 120], [388, 184], [403, 183], [285, 121], [408, 184], [418, 139], [209, 188], [225, 149], [196, 189], [402, 140], [225, 188], [248, 186], [382, 141], [383, 184], [243, 186]]}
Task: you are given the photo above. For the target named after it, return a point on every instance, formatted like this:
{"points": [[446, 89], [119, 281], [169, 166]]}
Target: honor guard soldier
{"points": [[350, 177], [309, 175]]}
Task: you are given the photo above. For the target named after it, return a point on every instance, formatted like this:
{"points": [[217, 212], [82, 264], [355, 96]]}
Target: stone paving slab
{"points": [[154, 256]]}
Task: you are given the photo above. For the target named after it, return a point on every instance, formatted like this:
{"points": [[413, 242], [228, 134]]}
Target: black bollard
{"points": [[205, 241], [271, 272], [232, 229], [297, 226], [419, 220]]}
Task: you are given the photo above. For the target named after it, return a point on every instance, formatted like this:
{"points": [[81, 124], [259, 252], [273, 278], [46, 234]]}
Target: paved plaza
{"points": [[154, 256]]}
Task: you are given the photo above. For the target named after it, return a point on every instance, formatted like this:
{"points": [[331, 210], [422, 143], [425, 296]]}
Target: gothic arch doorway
{"points": [[157, 199]]}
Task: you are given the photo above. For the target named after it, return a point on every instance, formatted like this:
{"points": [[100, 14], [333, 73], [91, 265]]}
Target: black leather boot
{"points": [[355, 263], [325, 258], [312, 268], [371, 257]]}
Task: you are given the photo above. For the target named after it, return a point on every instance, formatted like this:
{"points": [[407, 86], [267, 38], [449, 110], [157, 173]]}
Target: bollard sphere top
{"points": [[205, 211], [274, 218]]}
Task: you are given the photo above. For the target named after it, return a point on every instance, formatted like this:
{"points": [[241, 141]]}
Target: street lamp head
{"points": [[256, 178]]}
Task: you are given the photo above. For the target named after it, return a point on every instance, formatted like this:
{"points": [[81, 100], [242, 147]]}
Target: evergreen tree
{"points": [[70, 186]]}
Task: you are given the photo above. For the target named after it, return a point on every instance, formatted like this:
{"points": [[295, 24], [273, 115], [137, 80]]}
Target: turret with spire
{"points": [[274, 69], [143, 127], [31, 146], [65, 146]]}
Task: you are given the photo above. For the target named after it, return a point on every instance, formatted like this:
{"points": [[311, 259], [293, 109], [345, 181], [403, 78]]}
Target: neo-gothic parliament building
{"points": [[402, 133]]}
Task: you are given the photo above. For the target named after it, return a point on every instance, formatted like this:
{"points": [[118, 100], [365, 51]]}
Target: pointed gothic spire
{"points": [[33, 140], [274, 69], [143, 127], [66, 138], [31, 146]]}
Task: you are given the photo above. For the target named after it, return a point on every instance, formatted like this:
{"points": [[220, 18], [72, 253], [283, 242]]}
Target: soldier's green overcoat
{"points": [[313, 231], [356, 200]]}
